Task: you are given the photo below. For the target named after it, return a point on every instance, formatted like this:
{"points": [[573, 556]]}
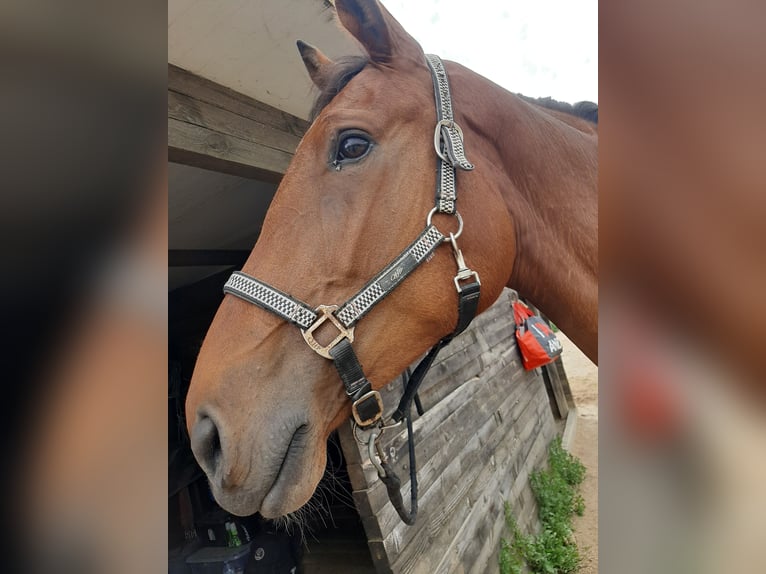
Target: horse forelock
{"points": [[344, 70]]}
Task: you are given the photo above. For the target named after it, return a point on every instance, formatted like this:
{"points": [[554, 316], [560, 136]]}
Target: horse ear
{"points": [[379, 32], [317, 64]]}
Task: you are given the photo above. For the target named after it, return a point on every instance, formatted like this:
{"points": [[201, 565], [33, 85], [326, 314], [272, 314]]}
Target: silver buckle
{"points": [[438, 135], [326, 313]]}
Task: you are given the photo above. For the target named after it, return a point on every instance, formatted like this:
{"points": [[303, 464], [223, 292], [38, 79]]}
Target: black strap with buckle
{"points": [[366, 404]]}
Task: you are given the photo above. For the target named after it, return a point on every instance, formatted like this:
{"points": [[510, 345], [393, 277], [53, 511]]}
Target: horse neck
{"points": [[548, 178]]}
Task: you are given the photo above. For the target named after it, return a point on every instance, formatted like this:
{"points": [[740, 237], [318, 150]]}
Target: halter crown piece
{"points": [[366, 403]]}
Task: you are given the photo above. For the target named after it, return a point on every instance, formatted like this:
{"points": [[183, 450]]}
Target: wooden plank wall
{"points": [[213, 127], [486, 427]]}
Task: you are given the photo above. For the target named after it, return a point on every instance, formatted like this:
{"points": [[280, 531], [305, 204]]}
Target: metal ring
{"points": [[459, 223], [355, 429], [363, 440]]}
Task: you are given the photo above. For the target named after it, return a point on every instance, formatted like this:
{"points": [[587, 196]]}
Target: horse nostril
{"points": [[206, 444]]}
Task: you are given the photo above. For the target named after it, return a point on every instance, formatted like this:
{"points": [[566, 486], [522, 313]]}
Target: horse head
{"points": [[262, 403]]}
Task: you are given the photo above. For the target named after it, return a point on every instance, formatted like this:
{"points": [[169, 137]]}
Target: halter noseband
{"points": [[367, 405]]}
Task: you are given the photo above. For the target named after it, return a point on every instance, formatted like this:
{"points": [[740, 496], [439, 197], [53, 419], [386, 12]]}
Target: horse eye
{"points": [[353, 147]]}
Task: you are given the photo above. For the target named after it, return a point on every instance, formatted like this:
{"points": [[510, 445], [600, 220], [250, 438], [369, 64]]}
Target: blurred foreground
{"points": [[683, 317], [83, 218]]}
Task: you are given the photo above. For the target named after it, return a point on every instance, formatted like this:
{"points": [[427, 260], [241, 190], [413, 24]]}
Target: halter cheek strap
{"points": [[448, 139], [366, 403]]}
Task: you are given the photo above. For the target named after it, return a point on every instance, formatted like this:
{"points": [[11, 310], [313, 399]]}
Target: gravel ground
{"points": [[583, 380]]}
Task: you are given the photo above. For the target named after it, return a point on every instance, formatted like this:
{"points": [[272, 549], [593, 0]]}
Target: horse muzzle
{"points": [[272, 472]]}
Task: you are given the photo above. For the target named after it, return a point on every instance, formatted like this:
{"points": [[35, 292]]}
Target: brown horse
{"points": [[262, 403]]}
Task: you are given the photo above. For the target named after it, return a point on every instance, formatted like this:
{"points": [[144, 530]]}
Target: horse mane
{"points": [[347, 67], [343, 72], [584, 109]]}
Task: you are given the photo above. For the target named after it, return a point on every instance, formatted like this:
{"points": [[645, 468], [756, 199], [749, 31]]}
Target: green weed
{"points": [[553, 550]]}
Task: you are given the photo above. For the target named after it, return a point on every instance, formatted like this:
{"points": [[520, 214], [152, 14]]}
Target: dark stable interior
{"points": [[327, 536]]}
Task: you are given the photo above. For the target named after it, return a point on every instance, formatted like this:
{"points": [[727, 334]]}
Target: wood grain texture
{"points": [[184, 82], [553, 379], [487, 426], [213, 127]]}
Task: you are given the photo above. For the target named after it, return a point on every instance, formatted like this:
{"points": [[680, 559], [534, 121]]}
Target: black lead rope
{"points": [[468, 302], [391, 479], [404, 411], [415, 379], [393, 484]]}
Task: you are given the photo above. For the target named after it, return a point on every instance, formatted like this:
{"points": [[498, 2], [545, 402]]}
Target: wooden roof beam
{"points": [[213, 127]]}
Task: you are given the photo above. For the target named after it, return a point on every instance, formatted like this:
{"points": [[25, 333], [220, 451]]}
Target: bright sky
{"points": [[536, 47]]}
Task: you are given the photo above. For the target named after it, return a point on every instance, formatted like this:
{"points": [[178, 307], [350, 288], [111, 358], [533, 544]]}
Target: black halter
{"points": [[367, 405]]}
